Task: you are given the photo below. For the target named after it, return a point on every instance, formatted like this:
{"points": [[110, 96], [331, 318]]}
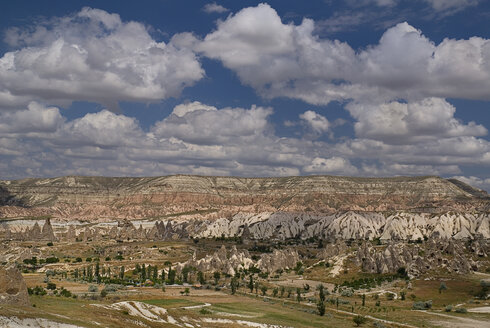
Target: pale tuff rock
{"points": [[13, 290], [349, 225], [450, 255], [332, 250], [233, 260], [278, 226], [278, 260], [47, 232]]}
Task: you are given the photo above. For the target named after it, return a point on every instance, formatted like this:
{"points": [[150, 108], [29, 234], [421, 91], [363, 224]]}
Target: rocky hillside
{"points": [[100, 197]]}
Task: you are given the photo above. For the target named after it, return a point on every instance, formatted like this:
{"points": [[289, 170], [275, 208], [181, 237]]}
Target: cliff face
{"points": [[96, 197]]}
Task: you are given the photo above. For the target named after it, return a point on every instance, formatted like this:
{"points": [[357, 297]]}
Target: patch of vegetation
{"points": [[422, 305]]}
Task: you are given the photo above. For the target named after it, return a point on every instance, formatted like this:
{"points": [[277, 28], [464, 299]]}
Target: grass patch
{"points": [[171, 302]]}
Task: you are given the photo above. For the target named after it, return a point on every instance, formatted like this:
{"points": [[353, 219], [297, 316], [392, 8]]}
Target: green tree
{"points": [[320, 305], [321, 292], [234, 285], [275, 291], [97, 272], [298, 294], [90, 274], [143, 272], [217, 277], [263, 289], [251, 284], [363, 299], [185, 273], [200, 277], [121, 273], [442, 287], [282, 290], [155, 273], [171, 276]]}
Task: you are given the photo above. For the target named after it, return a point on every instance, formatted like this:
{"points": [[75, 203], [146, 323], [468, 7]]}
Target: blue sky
{"points": [[364, 88]]}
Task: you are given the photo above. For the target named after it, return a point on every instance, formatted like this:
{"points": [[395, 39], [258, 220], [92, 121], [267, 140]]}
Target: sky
{"points": [[281, 88]]}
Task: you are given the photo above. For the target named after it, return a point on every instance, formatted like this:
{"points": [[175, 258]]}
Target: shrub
{"points": [[52, 260], [65, 293], [92, 288], [347, 292], [49, 244], [103, 293], [359, 320], [51, 286], [38, 290], [204, 311], [460, 310], [422, 305], [402, 295], [448, 308], [111, 288]]}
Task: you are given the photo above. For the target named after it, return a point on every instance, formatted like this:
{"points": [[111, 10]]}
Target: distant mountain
{"points": [[209, 196]]}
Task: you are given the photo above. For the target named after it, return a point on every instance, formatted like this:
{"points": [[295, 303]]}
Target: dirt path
{"points": [[458, 322], [483, 309]]}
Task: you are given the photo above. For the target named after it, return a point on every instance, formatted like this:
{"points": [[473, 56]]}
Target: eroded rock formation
{"points": [[13, 290], [232, 260], [436, 254]]}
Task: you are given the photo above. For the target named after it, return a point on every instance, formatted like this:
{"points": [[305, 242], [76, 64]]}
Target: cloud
{"points": [[201, 124], [473, 181], [333, 165], [93, 56], [182, 109], [318, 123], [287, 60], [201, 139], [35, 119], [214, 8], [103, 129], [395, 169], [409, 123], [451, 5]]}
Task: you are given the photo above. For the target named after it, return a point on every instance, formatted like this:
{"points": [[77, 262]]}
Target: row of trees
{"points": [[142, 274]]}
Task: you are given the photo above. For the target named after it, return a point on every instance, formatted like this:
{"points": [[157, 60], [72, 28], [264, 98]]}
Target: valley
{"points": [[190, 251]]}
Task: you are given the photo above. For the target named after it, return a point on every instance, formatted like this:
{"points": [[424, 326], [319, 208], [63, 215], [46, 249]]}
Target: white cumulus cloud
{"points": [[93, 56], [318, 123], [283, 59], [213, 7], [412, 122]]}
